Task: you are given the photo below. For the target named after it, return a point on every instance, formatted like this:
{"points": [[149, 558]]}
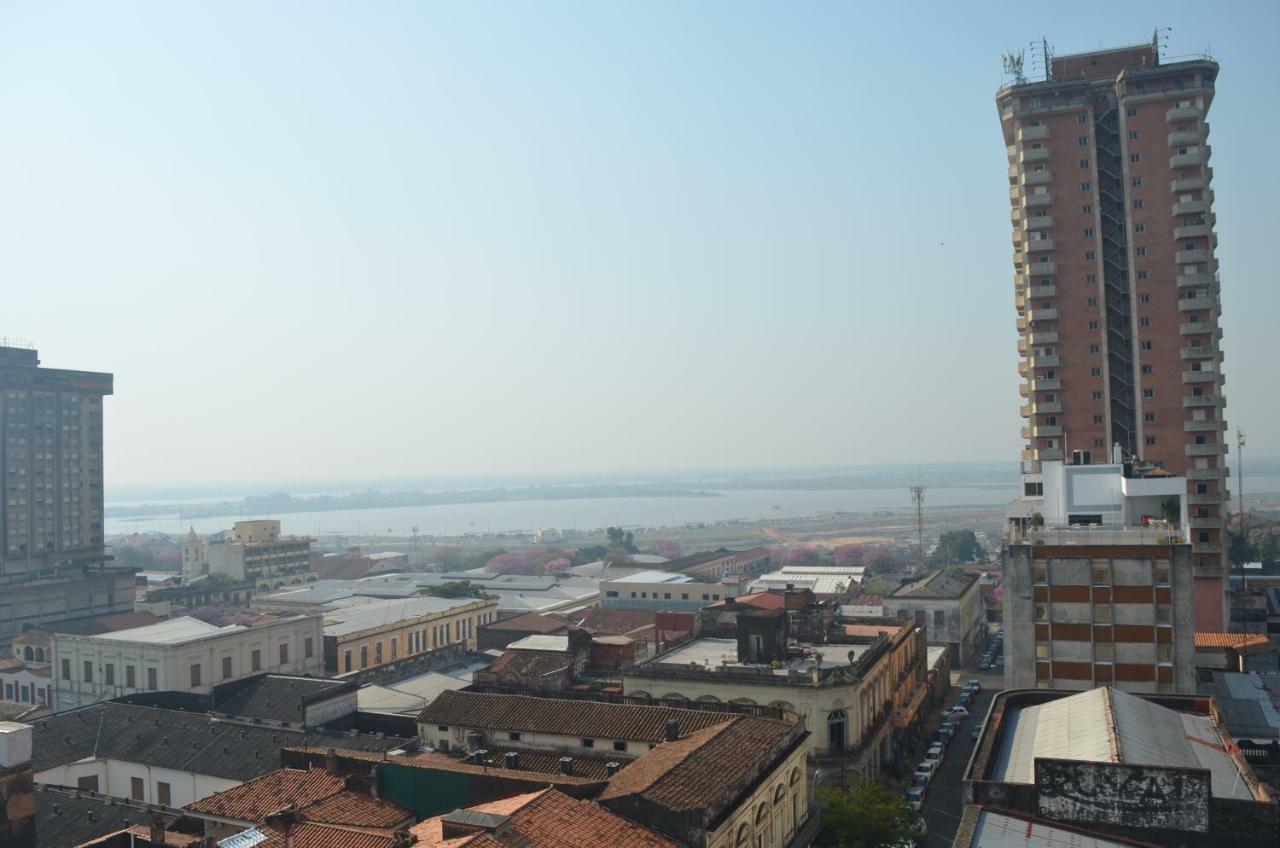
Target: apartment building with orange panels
{"points": [[1098, 581], [1116, 284]]}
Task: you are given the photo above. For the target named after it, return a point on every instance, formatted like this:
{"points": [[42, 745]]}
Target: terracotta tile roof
{"points": [[708, 768], [610, 621], [530, 622], [763, 600], [255, 800], [443, 762], [11, 664], [141, 837], [1230, 640], [531, 663], [546, 819], [586, 763], [563, 717], [357, 809]]}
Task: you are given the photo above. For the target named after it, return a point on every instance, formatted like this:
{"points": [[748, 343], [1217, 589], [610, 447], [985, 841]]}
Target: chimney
{"points": [[566, 765], [610, 769], [513, 760], [156, 831], [373, 781], [817, 666], [283, 821], [331, 761], [673, 730]]}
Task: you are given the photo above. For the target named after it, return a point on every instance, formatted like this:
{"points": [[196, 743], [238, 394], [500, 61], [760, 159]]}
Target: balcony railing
{"points": [[1096, 534]]}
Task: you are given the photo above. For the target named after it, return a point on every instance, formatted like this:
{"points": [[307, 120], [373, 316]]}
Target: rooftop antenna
{"points": [[1012, 64], [917, 498], [1160, 38], [1042, 57]]}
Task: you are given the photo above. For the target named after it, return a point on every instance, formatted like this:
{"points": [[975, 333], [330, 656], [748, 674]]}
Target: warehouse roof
{"points": [[1106, 725], [948, 584], [183, 741], [341, 622]]}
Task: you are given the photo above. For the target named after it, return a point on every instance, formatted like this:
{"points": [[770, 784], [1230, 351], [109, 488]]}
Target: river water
{"points": [[586, 513]]}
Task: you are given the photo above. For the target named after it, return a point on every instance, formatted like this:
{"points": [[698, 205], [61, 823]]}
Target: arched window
{"points": [[764, 829], [28, 654], [639, 693], [674, 696], [708, 699], [837, 722], [743, 839], [783, 705], [746, 702], [781, 823], [39, 654]]}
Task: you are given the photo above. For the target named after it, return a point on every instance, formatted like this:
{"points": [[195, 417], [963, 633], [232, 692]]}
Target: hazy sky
{"points": [[323, 240]]}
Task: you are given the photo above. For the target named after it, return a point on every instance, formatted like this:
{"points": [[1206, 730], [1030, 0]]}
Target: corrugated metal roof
{"points": [[1109, 726], [995, 830], [245, 839]]}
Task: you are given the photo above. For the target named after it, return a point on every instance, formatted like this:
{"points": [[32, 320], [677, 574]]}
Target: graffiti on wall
{"points": [[1132, 796]]}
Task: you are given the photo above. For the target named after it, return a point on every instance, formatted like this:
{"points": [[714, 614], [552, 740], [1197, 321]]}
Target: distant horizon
{"points": [[1266, 467]]}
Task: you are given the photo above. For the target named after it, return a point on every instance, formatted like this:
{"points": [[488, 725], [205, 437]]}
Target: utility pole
{"points": [[917, 498]]}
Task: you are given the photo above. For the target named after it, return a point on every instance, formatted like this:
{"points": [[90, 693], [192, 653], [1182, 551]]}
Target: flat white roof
{"points": [[712, 653], [653, 576], [540, 642], [175, 631], [352, 619]]}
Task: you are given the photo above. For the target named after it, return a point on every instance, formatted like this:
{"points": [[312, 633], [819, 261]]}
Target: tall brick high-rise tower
{"points": [[1116, 284]]}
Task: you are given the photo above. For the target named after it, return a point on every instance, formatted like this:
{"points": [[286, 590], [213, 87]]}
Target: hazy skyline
{"points": [[335, 241]]}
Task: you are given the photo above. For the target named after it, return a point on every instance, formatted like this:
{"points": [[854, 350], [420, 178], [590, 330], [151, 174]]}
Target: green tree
{"points": [[622, 539], [956, 546], [869, 815], [454, 589], [588, 553]]}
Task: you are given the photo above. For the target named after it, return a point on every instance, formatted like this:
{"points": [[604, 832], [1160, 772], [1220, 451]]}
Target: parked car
{"points": [[974, 685], [915, 797], [959, 711], [934, 755], [977, 732], [922, 776]]}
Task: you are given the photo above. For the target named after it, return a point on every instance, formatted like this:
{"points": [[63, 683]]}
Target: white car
{"points": [[960, 711], [915, 796], [934, 755]]}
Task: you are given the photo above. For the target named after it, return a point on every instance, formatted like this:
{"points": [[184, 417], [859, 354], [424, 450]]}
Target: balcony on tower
{"points": [[1199, 376], [1200, 401], [1036, 132], [1191, 207], [1188, 257], [1192, 231], [1037, 199], [1184, 137], [1214, 449], [1035, 178], [1029, 155], [1187, 112], [1193, 157], [1208, 425], [1041, 269]]}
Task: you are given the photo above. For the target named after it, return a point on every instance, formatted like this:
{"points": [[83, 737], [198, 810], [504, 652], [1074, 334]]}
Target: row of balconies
{"points": [[1193, 231], [1038, 132], [1199, 401], [1191, 304], [1215, 449], [1193, 183], [1191, 207], [1042, 431], [1201, 352], [1208, 426], [1188, 257], [1194, 328], [1183, 113], [1192, 158], [1195, 135], [1206, 473], [1199, 278]]}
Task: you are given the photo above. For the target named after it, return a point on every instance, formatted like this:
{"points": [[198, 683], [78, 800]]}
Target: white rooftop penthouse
{"points": [[1064, 504]]}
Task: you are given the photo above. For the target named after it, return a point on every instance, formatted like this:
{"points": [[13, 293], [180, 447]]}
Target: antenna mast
{"points": [[917, 498]]}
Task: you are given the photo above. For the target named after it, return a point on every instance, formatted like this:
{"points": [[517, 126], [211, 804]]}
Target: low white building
{"points": [[180, 655], [825, 581], [661, 590]]}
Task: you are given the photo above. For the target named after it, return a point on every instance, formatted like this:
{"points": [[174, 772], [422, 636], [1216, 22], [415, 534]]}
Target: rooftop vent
{"points": [[566, 765], [673, 730]]}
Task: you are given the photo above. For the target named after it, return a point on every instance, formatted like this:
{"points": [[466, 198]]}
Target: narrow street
{"points": [[942, 803]]}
